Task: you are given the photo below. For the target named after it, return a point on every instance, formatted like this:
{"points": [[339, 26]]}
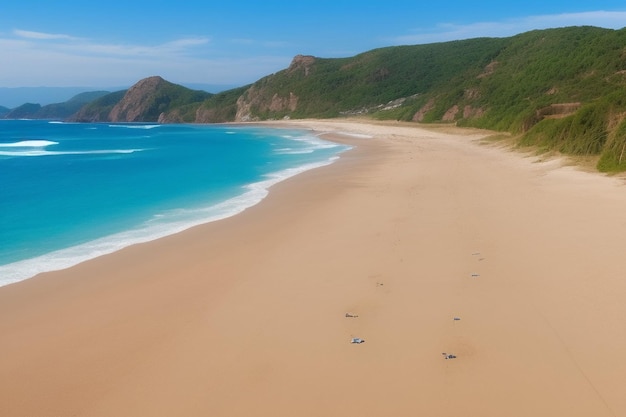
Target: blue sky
{"points": [[116, 43]]}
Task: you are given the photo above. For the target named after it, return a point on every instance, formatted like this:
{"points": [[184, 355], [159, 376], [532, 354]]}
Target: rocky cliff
{"points": [[262, 97], [138, 101], [151, 99]]}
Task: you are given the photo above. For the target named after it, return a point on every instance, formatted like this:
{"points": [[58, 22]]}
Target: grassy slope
{"points": [[503, 84], [510, 80]]}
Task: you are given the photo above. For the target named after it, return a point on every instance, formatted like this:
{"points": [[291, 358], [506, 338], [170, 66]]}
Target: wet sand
{"points": [[410, 229]]}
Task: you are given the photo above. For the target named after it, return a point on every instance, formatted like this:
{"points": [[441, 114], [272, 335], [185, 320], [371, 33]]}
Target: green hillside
{"points": [[560, 90], [98, 110], [151, 99], [68, 108], [557, 89], [25, 111]]}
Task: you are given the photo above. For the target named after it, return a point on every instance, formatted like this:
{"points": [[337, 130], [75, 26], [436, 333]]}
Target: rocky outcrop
{"points": [[302, 63], [450, 114], [255, 101], [489, 69], [419, 116], [283, 103], [263, 99], [245, 103], [152, 99], [138, 101]]}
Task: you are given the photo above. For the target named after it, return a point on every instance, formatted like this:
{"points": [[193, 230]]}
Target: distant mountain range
{"points": [[53, 111], [560, 90]]}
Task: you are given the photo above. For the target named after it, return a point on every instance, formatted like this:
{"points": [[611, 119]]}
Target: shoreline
{"points": [[408, 230], [67, 257]]}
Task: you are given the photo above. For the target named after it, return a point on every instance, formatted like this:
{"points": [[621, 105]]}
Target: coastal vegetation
{"points": [[555, 90]]}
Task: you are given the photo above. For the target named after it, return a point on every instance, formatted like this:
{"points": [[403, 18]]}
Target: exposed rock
{"points": [[171, 117], [244, 105], [419, 116], [136, 101], [301, 62], [489, 69], [450, 114], [471, 112], [281, 103], [255, 99]]}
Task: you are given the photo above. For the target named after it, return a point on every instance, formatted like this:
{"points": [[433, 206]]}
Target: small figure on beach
{"points": [[357, 340], [351, 315], [448, 355], [456, 318]]}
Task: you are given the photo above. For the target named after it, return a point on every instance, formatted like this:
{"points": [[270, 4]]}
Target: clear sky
{"points": [[116, 43]]}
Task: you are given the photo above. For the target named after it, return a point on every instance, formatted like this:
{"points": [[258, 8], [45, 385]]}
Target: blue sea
{"points": [[71, 192]]}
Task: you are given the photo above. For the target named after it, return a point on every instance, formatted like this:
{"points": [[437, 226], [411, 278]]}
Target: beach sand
{"points": [[410, 229]]}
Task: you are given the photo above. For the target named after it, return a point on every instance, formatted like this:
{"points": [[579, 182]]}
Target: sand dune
{"points": [[410, 229]]}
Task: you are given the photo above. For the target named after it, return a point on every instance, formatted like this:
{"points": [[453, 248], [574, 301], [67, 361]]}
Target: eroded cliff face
{"points": [[256, 100], [137, 101], [301, 63], [260, 99]]}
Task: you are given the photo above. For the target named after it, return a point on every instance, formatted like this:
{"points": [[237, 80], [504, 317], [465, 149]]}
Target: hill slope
{"points": [[150, 100], [57, 111], [557, 89]]}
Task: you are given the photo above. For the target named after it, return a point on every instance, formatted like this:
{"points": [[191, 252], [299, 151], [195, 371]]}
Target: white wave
{"points": [[136, 126], [290, 151], [28, 144], [160, 225], [312, 144], [355, 135], [56, 153]]}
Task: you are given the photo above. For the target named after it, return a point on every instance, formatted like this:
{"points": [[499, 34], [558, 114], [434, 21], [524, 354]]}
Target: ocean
{"points": [[70, 192]]}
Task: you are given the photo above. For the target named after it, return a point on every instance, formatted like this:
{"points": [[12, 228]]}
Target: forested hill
{"points": [[560, 89]]}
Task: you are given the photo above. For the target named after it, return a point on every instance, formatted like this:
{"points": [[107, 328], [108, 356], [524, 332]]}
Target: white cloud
{"points": [[62, 60], [449, 31], [188, 42], [75, 45], [41, 36]]}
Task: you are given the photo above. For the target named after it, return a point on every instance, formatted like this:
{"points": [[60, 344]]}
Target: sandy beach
{"points": [[439, 243]]}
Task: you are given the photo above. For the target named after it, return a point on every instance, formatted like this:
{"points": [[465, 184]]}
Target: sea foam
{"points": [[160, 225], [37, 152], [135, 126], [29, 144]]}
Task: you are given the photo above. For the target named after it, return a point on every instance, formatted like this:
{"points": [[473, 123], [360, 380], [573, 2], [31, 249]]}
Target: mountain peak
{"points": [[139, 101]]}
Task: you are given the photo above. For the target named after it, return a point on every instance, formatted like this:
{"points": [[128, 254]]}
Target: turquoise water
{"points": [[71, 192]]}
